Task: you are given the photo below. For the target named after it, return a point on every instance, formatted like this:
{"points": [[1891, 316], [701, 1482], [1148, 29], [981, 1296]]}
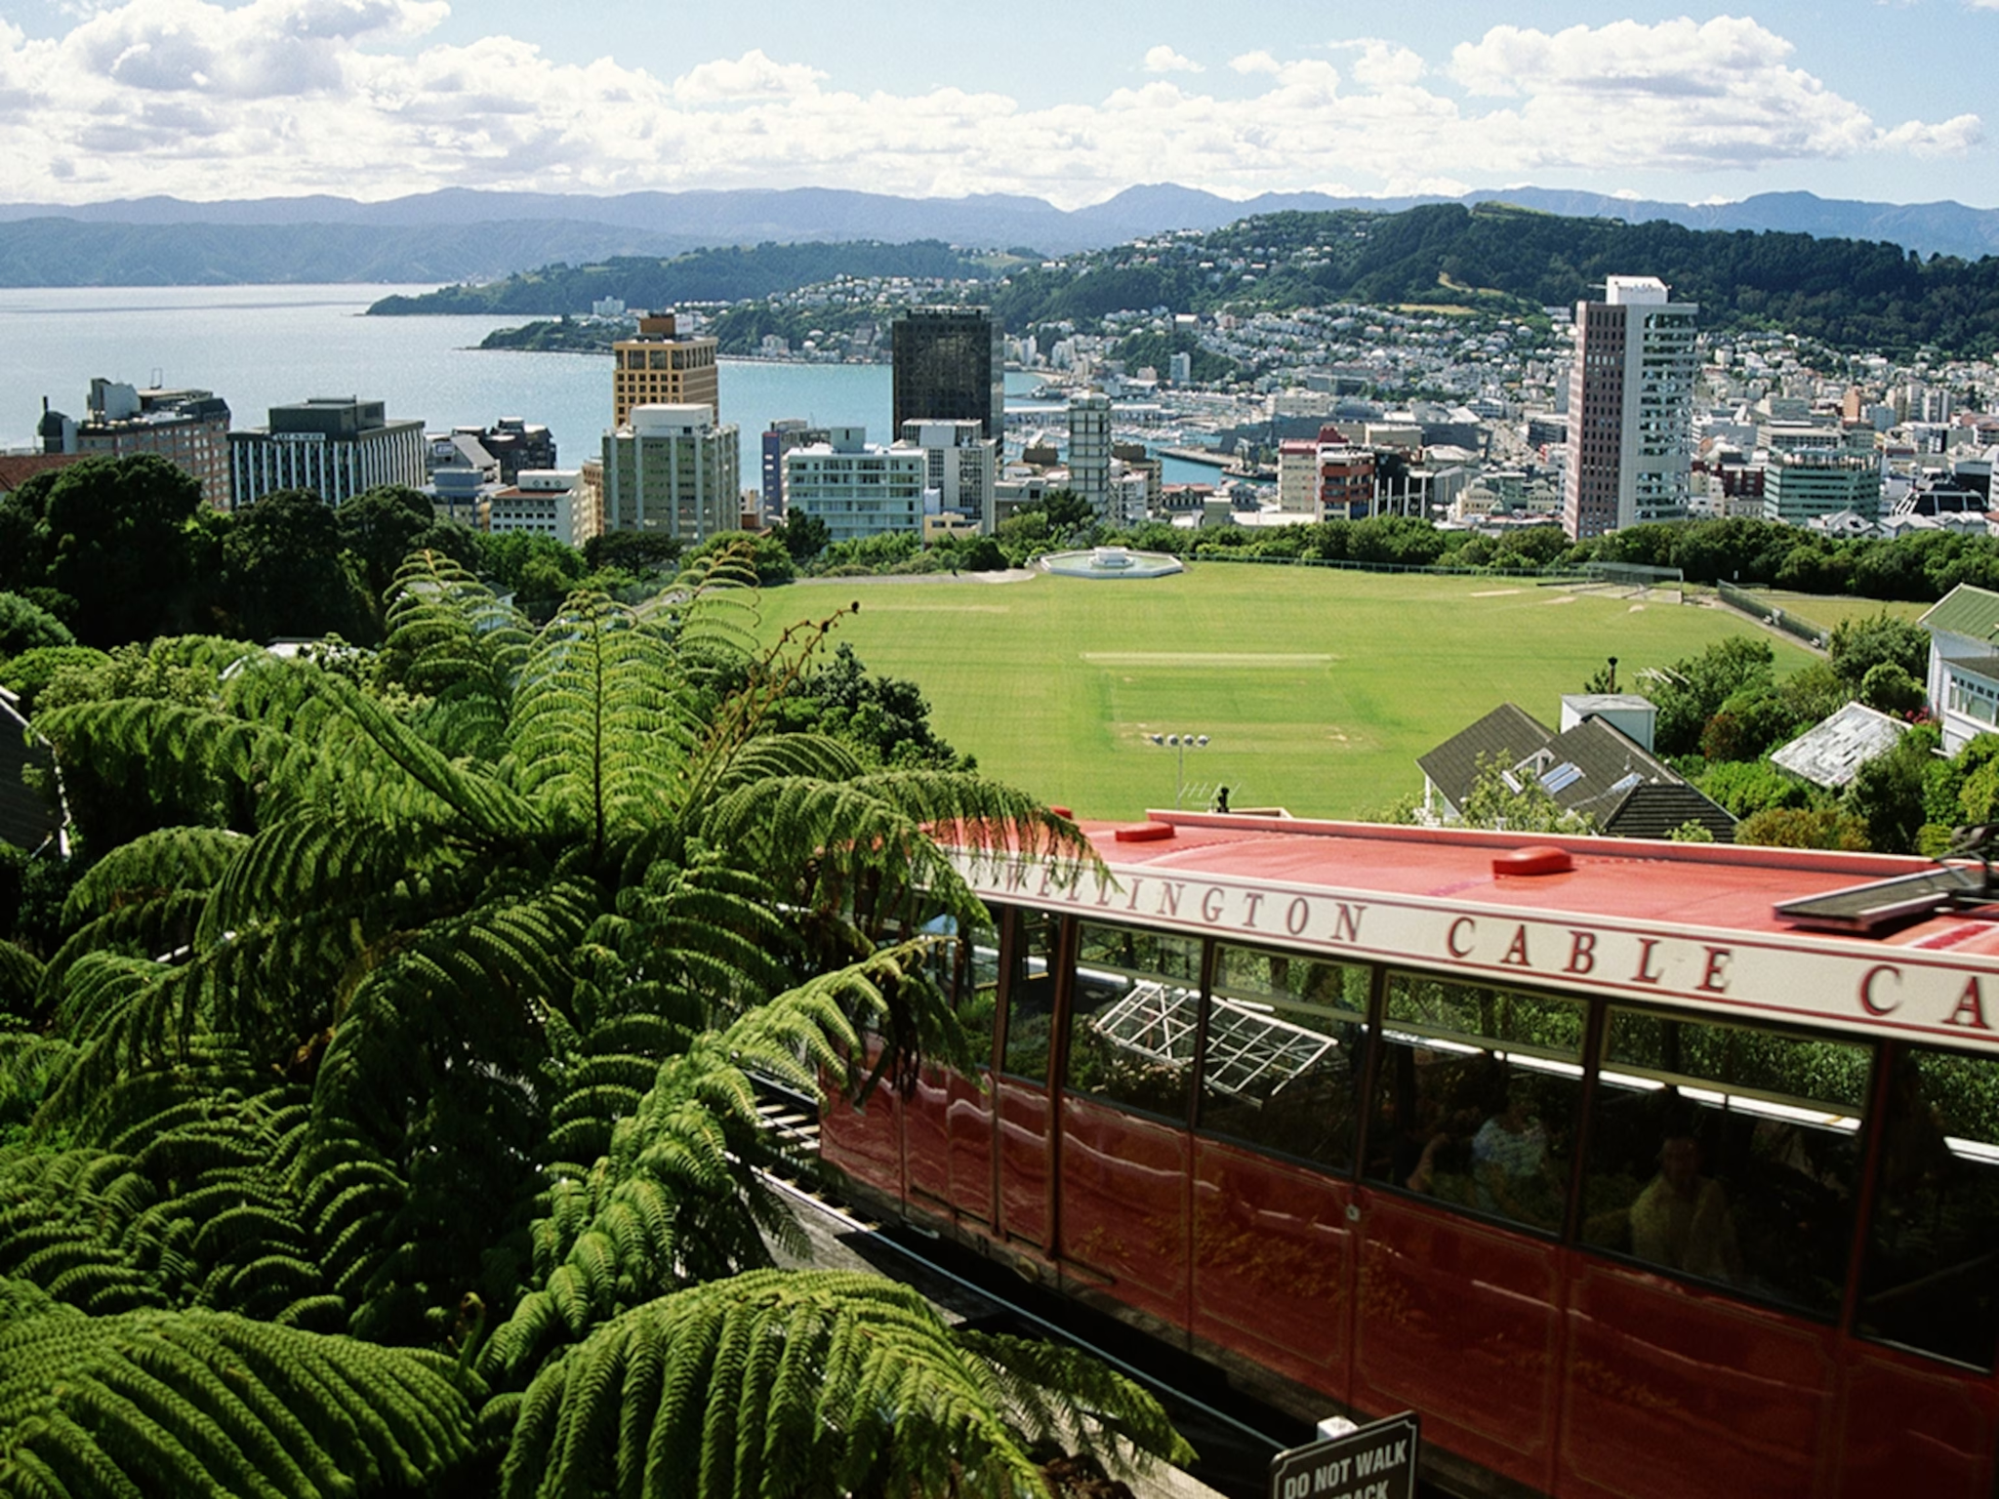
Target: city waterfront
{"points": [[259, 346]]}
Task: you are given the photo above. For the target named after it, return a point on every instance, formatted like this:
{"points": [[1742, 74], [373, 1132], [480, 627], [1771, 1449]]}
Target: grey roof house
{"points": [[1599, 764]]}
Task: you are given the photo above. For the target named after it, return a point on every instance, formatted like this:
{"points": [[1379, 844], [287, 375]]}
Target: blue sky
{"points": [[374, 98]]}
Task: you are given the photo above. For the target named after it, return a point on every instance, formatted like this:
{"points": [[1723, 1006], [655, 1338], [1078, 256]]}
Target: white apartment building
{"points": [[1631, 392], [961, 465], [545, 502], [856, 487], [671, 468]]}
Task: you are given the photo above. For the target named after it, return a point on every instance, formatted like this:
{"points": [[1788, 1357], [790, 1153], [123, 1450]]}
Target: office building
{"points": [[1799, 484], [188, 428], [1090, 451], [1298, 477], [516, 446], [657, 367], [859, 488], [336, 446], [949, 366], [779, 439], [544, 502], [960, 466], [1137, 459], [1631, 393], [672, 469], [1346, 481]]}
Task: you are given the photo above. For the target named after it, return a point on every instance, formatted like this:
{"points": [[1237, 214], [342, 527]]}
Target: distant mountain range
{"points": [[458, 234]]}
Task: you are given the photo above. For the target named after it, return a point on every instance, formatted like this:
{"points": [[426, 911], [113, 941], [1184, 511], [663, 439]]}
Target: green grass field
{"points": [[1318, 688], [1830, 610]]}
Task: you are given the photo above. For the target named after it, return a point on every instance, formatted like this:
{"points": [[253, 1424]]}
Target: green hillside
{"points": [[1854, 295]]}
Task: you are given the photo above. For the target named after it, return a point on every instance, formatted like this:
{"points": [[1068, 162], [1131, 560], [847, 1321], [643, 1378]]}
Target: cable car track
{"points": [[1235, 1448]]}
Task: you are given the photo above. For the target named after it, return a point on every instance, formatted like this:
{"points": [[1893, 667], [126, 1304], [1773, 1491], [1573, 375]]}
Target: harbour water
{"points": [[261, 346]]}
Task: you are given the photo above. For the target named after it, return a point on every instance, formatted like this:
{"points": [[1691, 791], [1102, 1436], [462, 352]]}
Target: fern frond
{"points": [[601, 720], [187, 1403], [1062, 1395], [154, 864], [729, 1388], [20, 978], [451, 638]]}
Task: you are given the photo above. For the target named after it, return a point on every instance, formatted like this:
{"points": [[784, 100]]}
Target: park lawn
{"points": [[1832, 610], [1317, 687]]}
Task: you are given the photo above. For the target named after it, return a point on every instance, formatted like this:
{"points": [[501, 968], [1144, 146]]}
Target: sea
{"points": [[263, 346]]}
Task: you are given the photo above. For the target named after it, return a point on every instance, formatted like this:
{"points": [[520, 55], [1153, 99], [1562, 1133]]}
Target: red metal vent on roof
{"points": [[1535, 859], [1143, 833]]}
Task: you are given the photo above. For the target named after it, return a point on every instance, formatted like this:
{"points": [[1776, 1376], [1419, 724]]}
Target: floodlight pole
{"points": [[1179, 744]]}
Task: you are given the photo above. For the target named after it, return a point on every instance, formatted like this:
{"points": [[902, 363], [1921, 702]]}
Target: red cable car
{"points": [[1635, 1168]]}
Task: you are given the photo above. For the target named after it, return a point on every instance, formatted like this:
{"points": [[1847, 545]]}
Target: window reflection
{"points": [[1728, 1154], [1477, 1098], [1933, 1243], [1134, 1014], [1285, 1053], [1030, 1010]]}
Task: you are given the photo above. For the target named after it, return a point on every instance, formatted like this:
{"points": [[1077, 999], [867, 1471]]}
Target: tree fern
{"points": [[208, 1403], [468, 1018], [602, 719], [786, 1383], [20, 978], [453, 641]]}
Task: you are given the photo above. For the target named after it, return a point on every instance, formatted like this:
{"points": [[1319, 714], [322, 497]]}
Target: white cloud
{"points": [[1953, 137], [1163, 59], [751, 76], [292, 96]]}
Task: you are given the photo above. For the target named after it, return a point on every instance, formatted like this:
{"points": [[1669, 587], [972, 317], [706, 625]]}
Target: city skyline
{"points": [[376, 98]]}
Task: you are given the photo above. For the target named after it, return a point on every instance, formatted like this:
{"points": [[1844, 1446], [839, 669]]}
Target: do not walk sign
{"points": [[1378, 1459]]}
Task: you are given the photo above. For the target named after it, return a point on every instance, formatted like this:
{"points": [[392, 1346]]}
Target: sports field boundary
{"points": [[1810, 632], [1440, 570]]}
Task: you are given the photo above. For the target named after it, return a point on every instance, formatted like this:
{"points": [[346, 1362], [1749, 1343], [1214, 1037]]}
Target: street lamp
{"points": [[1179, 743]]}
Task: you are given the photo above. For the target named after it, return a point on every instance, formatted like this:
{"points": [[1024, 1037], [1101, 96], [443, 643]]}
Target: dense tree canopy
{"points": [[111, 538]]}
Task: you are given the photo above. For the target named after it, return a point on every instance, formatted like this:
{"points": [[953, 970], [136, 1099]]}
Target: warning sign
{"points": [[1378, 1459]]}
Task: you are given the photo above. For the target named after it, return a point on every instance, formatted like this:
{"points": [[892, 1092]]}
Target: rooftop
{"points": [[1686, 924]]}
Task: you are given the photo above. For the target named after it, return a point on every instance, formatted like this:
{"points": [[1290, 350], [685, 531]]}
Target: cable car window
{"points": [[1282, 1069], [1133, 1015], [1728, 1154], [1030, 1006], [1933, 1241], [1477, 1097], [967, 972]]}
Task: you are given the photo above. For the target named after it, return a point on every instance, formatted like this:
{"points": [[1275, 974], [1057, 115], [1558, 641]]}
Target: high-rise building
{"points": [[1090, 450], [337, 446], [1803, 483], [1631, 398], [1346, 482], [188, 428], [950, 365], [779, 439], [1298, 477], [856, 487], [960, 466], [657, 367], [1138, 459], [670, 468]]}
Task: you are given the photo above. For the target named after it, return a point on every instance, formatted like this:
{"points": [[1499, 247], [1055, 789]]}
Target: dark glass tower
{"points": [[950, 366]]}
